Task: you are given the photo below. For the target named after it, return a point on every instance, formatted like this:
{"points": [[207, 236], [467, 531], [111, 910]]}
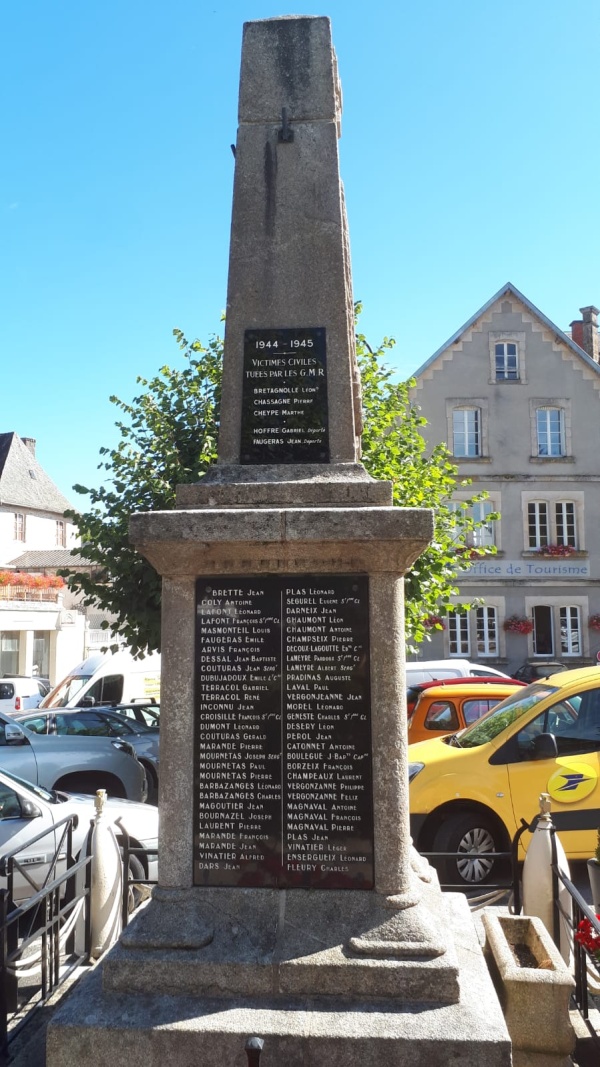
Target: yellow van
{"points": [[470, 790]]}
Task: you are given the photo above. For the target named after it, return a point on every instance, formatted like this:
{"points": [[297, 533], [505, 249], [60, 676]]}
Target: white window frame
{"points": [[469, 432], [550, 428], [556, 604], [507, 362], [468, 625], [540, 527], [517, 337], [568, 533], [459, 634], [570, 622], [553, 501], [468, 404], [482, 537], [562, 405], [486, 623], [61, 533], [20, 526]]}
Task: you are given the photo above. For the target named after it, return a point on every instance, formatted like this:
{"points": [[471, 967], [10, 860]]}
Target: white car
{"points": [[27, 811], [432, 670], [18, 693]]}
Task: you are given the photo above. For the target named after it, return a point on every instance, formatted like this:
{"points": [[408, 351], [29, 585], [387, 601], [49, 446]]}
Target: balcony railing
{"points": [[25, 592]]}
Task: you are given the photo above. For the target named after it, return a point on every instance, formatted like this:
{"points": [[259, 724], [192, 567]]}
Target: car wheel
{"points": [[88, 783], [152, 783], [473, 836], [137, 892]]}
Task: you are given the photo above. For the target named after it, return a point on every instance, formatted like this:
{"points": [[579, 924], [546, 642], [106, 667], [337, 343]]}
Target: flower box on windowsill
{"points": [[517, 625], [541, 553]]}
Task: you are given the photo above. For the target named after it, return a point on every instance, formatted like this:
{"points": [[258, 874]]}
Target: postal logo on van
{"points": [[572, 782]]}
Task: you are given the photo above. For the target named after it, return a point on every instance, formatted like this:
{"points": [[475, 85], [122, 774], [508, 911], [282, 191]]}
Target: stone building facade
{"points": [[41, 631], [517, 401]]}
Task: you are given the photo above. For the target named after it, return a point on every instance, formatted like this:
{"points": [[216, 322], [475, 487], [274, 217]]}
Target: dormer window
{"points": [[508, 356], [506, 361]]}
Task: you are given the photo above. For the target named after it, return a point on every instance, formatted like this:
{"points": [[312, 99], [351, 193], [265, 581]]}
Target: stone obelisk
{"points": [[290, 904]]}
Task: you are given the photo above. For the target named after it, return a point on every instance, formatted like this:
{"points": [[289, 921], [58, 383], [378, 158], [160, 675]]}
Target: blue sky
{"points": [[469, 156]]}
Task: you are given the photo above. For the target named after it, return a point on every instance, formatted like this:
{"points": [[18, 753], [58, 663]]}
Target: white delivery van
{"points": [[107, 678]]}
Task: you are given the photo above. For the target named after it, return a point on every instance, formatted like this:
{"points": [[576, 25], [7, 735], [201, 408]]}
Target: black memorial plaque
{"points": [[284, 397], [283, 734]]}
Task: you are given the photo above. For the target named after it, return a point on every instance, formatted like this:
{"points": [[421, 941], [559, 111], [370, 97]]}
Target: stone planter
{"points": [[593, 867], [534, 987]]}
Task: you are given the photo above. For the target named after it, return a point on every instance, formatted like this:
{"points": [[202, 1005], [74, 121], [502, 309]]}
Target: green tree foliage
{"points": [[168, 436]]}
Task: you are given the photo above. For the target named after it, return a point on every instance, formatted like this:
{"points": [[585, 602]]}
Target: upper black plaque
{"points": [[284, 397], [282, 746]]}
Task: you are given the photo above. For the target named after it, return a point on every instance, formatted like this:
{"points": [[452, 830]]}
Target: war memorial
{"points": [[291, 905]]}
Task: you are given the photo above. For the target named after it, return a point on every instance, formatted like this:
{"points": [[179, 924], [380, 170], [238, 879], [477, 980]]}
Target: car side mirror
{"points": [[29, 810], [14, 735], [86, 702], [544, 747]]}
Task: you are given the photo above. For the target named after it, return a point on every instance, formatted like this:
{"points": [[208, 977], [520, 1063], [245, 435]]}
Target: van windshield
{"points": [[503, 715], [63, 693]]}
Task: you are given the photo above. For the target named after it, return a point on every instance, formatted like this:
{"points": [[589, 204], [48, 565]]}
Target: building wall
{"points": [[40, 531], [40, 638], [518, 580]]}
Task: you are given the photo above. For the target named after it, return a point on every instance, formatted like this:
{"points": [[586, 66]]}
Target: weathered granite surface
{"points": [[115, 1029], [534, 994], [289, 260]]}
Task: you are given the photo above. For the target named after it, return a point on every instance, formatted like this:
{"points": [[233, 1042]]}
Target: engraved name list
{"points": [[282, 747]]}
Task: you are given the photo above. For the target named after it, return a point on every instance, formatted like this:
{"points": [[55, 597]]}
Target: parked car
{"points": [[430, 670], [27, 810], [532, 670], [147, 713], [18, 692], [445, 707], [100, 722], [72, 764], [413, 692], [470, 790]]}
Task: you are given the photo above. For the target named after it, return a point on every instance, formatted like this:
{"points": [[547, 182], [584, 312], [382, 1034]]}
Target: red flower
{"points": [[587, 937], [556, 550], [31, 581], [515, 625]]}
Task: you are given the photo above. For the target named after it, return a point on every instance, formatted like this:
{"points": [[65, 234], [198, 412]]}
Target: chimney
{"points": [[29, 443], [585, 332]]}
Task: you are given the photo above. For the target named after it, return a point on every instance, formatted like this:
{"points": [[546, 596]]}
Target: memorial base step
{"points": [[109, 1029], [274, 943]]}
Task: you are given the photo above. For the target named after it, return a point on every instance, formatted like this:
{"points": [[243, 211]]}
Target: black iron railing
{"points": [[131, 880], [45, 937]]}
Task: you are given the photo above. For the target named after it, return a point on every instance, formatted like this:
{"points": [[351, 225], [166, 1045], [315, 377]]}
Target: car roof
{"points": [[464, 687], [471, 682], [563, 679]]}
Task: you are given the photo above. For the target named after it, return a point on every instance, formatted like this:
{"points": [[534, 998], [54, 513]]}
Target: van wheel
{"points": [[474, 837]]}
